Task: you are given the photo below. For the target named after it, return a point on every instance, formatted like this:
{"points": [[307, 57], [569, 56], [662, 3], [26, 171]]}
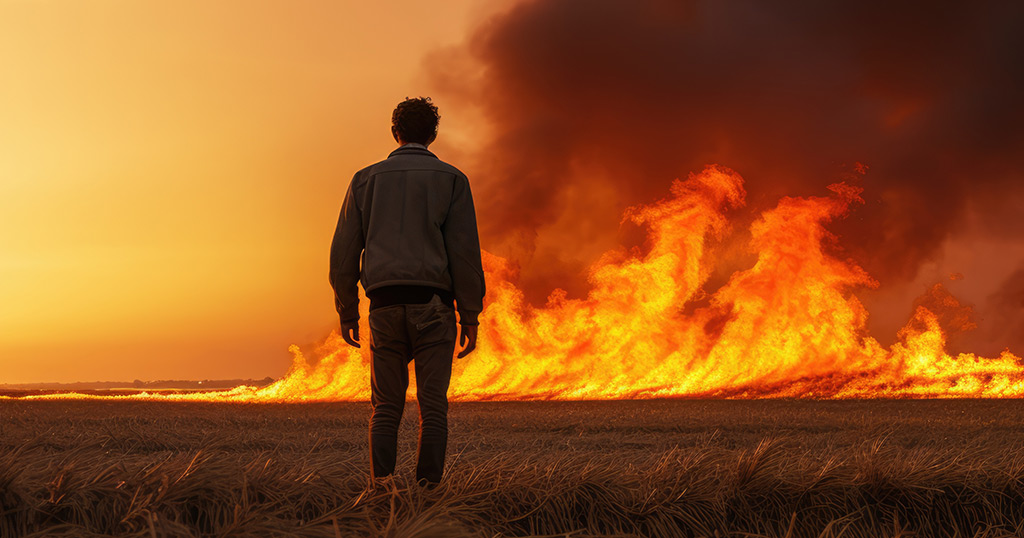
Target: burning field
{"points": [[819, 430], [844, 446], [655, 468]]}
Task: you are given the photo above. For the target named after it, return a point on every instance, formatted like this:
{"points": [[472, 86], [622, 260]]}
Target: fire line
{"points": [[789, 326]]}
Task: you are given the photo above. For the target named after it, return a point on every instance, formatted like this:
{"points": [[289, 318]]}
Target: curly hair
{"points": [[415, 120]]}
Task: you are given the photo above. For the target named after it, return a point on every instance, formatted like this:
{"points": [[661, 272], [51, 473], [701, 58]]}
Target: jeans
{"points": [[424, 333]]}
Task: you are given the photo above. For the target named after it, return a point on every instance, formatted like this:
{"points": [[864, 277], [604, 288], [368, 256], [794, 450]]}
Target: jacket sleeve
{"points": [[462, 243], [346, 251]]}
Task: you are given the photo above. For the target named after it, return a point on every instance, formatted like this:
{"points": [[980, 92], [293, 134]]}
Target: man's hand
{"points": [[350, 332], [467, 340]]}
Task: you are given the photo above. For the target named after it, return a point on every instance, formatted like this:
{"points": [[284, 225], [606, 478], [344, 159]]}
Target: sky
{"points": [[171, 172]]}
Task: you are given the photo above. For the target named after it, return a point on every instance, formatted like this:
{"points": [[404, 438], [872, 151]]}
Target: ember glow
{"points": [[790, 325]]}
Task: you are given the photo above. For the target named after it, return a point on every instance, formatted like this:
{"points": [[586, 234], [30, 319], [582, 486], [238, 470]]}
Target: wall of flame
{"points": [[788, 326]]}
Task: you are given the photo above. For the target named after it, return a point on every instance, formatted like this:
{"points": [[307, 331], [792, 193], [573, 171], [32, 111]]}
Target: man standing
{"points": [[410, 221]]}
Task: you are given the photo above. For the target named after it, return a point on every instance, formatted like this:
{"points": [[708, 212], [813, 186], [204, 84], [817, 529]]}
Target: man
{"points": [[410, 220]]}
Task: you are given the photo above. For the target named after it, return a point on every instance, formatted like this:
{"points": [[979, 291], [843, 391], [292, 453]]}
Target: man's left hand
{"points": [[350, 332]]}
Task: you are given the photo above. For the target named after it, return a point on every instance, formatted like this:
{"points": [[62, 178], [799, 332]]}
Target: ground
{"points": [[623, 468]]}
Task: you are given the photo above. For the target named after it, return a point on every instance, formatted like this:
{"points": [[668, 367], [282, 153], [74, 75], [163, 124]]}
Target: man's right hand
{"points": [[350, 332], [467, 340]]}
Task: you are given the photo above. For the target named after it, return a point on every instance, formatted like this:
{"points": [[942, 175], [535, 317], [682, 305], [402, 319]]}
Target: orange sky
{"points": [[172, 173]]}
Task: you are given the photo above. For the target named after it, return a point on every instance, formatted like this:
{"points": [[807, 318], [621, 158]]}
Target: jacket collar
{"points": [[412, 149]]}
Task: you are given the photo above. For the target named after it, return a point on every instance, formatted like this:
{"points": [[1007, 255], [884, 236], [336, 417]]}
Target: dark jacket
{"points": [[408, 220]]}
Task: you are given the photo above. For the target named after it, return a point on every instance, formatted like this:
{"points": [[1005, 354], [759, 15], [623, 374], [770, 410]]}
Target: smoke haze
{"points": [[592, 106]]}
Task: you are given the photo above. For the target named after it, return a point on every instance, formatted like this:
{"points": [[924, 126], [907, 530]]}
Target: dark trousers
{"points": [[424, 333]]}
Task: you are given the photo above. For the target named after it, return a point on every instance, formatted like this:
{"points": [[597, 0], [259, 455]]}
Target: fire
{"points": [[789, 326]]}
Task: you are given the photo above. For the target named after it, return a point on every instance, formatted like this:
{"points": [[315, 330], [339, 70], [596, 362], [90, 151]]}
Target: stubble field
{"points": [[649, 468]]}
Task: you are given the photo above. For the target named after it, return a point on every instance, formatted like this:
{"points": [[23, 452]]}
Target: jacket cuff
{"points": [[349, 311], [468, 318]]}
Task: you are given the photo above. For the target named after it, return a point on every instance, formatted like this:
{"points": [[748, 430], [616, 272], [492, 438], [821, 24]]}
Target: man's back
{"points": [[418, 228], [405, 203]]}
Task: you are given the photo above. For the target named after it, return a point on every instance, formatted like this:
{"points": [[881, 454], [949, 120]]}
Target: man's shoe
{"points": [[379, 484], [427, 484]]}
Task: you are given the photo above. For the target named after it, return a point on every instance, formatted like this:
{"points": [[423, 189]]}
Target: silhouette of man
{"points": [[408, 232]]}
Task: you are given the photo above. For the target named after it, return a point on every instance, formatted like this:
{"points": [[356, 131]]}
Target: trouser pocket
{"points": [[432, 323]]}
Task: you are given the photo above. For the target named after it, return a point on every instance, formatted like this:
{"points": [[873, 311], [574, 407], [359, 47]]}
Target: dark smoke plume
{"points": [[596, 105]]}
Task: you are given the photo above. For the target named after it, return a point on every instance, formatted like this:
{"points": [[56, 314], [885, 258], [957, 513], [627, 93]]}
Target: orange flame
{"points": [[787, 327]]}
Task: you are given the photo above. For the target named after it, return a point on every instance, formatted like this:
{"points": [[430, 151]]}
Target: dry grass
{"points": [[659, 468]]}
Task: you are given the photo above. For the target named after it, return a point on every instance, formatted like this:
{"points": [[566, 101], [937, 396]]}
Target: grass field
{"points": [[654, 468]]}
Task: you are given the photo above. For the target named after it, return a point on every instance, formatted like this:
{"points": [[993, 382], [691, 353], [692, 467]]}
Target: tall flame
{"points": [[789, 326]]}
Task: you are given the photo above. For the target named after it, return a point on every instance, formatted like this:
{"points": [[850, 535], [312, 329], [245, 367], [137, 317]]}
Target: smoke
{"points": [[1005, 307], [592, 106]]}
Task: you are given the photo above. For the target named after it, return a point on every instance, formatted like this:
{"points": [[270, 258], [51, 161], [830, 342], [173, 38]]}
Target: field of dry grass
{"points": [[656, 468]]}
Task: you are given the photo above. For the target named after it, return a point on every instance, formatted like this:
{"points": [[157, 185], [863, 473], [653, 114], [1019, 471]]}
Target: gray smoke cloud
{"points": [[596, 105]]}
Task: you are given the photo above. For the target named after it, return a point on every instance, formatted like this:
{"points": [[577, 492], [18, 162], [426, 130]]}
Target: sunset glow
{"points": [[171, 175], [673, 201]]}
